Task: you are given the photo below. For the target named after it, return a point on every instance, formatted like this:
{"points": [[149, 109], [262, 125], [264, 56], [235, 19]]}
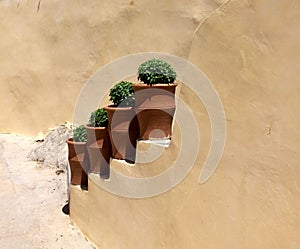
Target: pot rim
{"points": [[70, 141], [157, 85]]}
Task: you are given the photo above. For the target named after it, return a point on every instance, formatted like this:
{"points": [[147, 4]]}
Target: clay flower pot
{"points": [[99, 150], [155, 108], [123, 131], [79, 162]]}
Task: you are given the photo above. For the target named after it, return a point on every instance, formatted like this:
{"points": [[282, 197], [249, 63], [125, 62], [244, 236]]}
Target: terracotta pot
{"points": [[156, 123], [99, 149], [123, 131], [155, 96], [155, 108], [79, 162]]}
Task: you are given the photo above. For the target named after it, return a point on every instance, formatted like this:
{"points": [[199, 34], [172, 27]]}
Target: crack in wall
{"points": [[211, 14], [203, 22], [190, 44]]}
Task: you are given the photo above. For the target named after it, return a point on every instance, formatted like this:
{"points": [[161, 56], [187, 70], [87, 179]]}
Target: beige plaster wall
{"points": [[250, 202], [250, 51], [49, 49]]}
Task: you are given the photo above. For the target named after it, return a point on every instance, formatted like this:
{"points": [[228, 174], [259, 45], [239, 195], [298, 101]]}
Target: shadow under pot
{"points": [[155, 109], [99, 150], [79, 162], [124, 132]]}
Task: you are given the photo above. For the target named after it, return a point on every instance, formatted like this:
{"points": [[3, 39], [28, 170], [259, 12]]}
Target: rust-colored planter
{"points": [[79, 162], [155, 108], [99, 149], [123, 131]]}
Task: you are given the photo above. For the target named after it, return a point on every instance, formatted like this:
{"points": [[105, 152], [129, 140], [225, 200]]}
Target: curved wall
{"points": [[250, 51]]}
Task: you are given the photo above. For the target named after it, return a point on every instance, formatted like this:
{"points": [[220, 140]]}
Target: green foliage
{"points": [[122, 94], [99, 118], [79, 134], [156, 71]]}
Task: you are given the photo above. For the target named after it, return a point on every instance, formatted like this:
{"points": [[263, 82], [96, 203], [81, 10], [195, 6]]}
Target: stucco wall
{"points": [[249, 202], [49, 50], [250, 51]]}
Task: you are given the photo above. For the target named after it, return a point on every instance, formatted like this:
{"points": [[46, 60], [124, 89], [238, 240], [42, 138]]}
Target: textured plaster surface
{"points": [[250, 201], [250, 51]]}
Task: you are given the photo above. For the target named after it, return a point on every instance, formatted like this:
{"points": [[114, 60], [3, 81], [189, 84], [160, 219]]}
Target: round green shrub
{"points": [[79, 134], [122, 94], [156, 71], [99, 118]]}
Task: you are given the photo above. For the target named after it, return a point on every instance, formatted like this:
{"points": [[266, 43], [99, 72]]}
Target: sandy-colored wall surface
{"points": [[250, 49], [251, 201], [49, 50]]}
